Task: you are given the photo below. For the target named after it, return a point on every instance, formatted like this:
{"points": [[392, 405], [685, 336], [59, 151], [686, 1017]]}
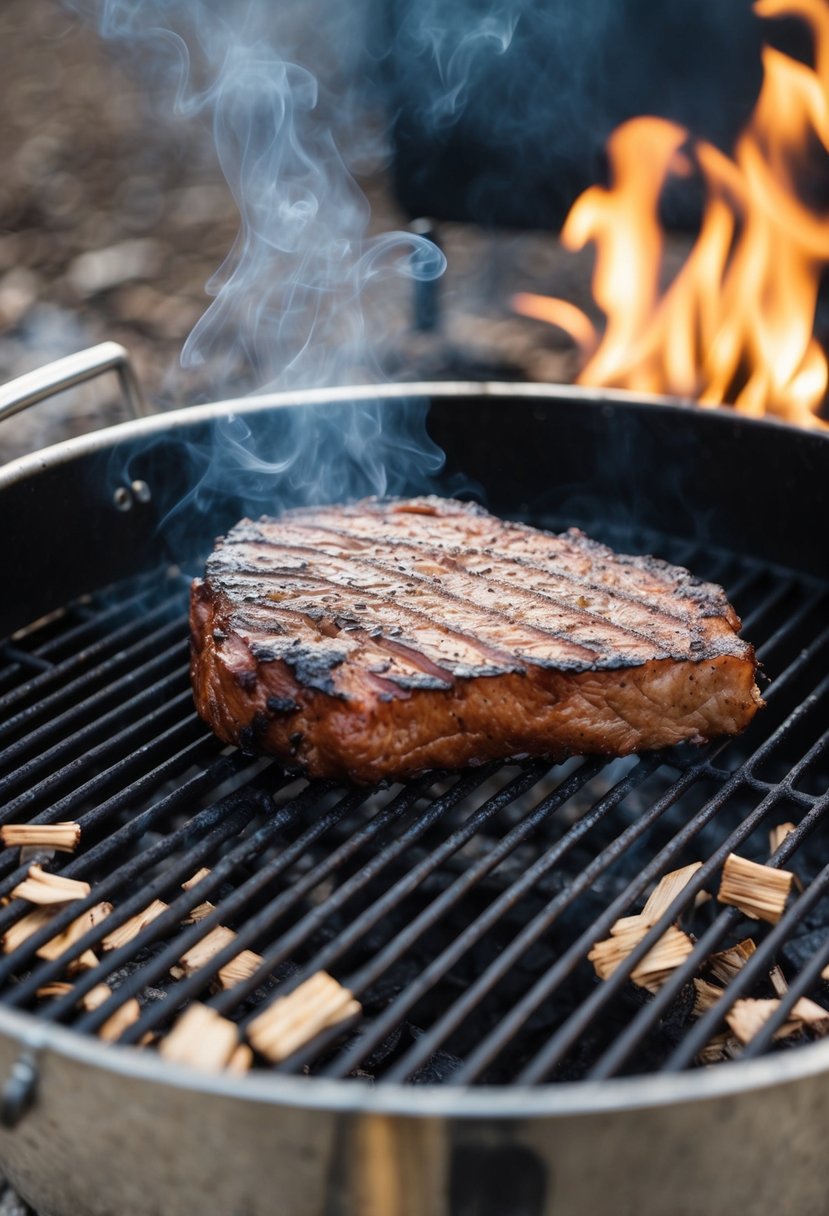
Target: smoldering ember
{"points": [[562, 262]]}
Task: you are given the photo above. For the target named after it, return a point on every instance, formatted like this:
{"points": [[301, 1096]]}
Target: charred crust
{"points": [[312, 667], [282, 705], [421, 681], [246, 678], [262, 653]]}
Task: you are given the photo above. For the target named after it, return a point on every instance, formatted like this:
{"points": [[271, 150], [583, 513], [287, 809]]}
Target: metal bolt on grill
{"points": [[459, 909]]}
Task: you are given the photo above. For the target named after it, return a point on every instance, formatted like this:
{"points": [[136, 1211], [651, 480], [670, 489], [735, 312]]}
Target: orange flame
{"points": [[736, 323]]}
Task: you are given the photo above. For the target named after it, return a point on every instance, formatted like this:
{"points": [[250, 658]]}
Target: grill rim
{"points": [[738, 1079], [559, 1099], [443, 390]]}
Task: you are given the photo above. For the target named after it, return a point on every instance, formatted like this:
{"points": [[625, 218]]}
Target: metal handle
{"points": [[66, 373]]}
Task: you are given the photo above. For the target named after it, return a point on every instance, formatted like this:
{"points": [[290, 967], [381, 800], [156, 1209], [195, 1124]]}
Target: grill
{"points": [[459, 907]]}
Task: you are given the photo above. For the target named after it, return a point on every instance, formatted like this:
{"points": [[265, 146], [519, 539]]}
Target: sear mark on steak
{"points": [[387, 637]]}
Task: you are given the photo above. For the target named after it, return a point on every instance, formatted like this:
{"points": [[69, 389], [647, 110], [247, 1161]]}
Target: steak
{"points": [[387, 637]]}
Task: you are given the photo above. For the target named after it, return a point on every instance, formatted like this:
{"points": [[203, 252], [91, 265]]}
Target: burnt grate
{"points": [[458, 908]]}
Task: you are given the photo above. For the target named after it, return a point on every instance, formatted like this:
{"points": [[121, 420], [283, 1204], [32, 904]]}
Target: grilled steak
{"points": [[391, 636]]}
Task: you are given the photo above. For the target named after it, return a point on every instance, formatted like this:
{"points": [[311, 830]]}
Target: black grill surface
{"points": [[459, 908]]}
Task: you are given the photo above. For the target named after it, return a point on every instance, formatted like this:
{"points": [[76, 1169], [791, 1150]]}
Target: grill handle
{"points": [[67, 373]]}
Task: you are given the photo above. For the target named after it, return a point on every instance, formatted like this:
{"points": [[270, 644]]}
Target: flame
{"points": [[736, 322]]}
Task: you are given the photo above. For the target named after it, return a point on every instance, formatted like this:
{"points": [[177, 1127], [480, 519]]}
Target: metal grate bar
{"points": [[66, 728], [394, 896], [138, 600], [402, 942], [22, 658], [299, 933], [434, 1038], [171, 919], [811, 974], [567, 1034], [179, 746], [767, 605], [699, 1035], [193, 986], [372, 971], [547, 984], [649, 1015], [545, 919], [110, 885], [217, 823], [483, 924], [71, 747], [76, 668], [125, 746]]}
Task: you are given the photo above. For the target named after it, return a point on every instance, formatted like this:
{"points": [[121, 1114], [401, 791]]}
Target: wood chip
{"points": [[62, 836], [203, 909], [650, 972], [125, 1015], [291, 1021], [75, 930], [705, 996], [41, 887], [673, 948], [196, 878], [726, 963], [778, 981], [666, 891], [239, 968], [243, 965], [609, 954], [778, 834], [84, 962], [202, 1039], [241, 1061], [203, 951], [132, 927], [627, 932], [720, 1047], [22, 929], [56, 988], [748, 1016], [758, 891], [114, 1026]]}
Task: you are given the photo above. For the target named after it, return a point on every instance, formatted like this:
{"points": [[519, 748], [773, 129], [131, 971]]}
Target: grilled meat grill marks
{"points": [[382, 638]]}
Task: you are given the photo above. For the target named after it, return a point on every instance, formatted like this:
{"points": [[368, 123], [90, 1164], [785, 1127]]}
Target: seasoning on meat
{"points": [[388, 637]]}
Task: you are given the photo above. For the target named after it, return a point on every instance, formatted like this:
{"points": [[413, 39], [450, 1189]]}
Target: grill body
{"points": [[106, 1130], [110, 1134]]}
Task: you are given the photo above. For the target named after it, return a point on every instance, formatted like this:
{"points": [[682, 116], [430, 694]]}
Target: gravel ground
{"points": [[112, 221]]}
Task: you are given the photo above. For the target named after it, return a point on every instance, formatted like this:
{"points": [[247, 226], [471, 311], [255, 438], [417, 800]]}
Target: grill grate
{"points": [[459, 908]]}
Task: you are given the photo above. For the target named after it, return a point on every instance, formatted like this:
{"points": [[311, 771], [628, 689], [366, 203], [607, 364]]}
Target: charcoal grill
{"points": [[490, 1071]]}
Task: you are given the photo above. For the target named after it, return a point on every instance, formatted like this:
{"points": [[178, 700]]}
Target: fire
{"points": [[736, 322]]}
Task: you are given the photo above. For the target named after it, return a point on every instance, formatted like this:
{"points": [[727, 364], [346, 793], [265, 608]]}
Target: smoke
{"points": [[258, 461], [280, 87], [299, 300]]}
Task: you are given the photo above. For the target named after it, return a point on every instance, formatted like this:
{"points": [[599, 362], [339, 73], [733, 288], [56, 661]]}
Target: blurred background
{"points": [[113, 218]]}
